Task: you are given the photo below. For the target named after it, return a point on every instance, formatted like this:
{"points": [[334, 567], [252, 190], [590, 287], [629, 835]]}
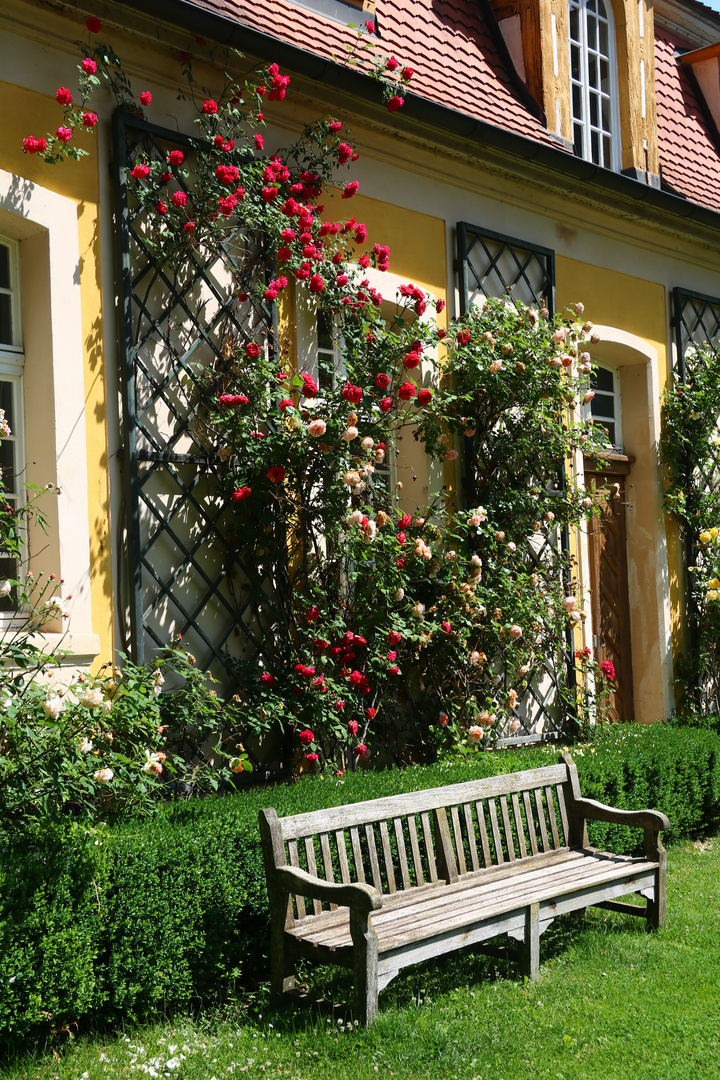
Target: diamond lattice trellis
{"points": [[491, 265], [183, 572]]}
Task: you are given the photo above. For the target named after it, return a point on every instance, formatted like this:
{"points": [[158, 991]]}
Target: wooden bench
{"points": [[398, 880]]}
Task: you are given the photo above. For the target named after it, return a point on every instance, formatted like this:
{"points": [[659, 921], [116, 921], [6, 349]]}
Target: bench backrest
{"points": [[422, 837]]}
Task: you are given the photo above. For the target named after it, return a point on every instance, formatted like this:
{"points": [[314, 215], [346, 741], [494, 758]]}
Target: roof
{"points": [[687, 141], [453, 55], [460, 63]]}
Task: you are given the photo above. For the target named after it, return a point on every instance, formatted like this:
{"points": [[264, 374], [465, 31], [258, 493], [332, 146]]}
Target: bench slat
{"points": [[563, 812], [312, 868], [295, 861], [552, 816], [459, 846], [470, 826], [415, 848], [327, 860], [499, 857], [357, 855], [374, 861], [340, 817], [342, 857], [480, 811], [541, 819], [519, 826], [532, 835], [402, 853], [387, 855], [429, 846], [507, 828]]}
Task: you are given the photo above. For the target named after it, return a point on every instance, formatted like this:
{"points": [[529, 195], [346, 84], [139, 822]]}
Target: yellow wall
{"points": [[27, 113]]}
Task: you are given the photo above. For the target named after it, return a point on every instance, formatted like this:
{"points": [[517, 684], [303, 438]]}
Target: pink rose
{"points": [[89, 66], [145, 98], [63, 95], [210, 107]]}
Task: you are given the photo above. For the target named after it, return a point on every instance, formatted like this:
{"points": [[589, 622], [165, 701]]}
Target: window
{"points": [[593, 83], [605, 406], [11, 396]]}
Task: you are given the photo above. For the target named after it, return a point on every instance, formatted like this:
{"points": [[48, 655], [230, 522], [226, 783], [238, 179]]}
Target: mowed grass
{"points": [[613, 1003]]}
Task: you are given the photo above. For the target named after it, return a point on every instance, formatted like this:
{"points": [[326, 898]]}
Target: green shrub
{"points": [[148, 915]]}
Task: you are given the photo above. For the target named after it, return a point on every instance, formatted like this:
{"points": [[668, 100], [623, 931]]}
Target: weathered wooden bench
{"points": [[398, 880]]}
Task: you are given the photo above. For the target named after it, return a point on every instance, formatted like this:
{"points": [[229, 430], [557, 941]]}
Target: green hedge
{"points": [[100, 925]]}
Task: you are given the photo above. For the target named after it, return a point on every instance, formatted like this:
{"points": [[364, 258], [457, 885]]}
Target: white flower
{"points": [[52, 706], [367, 443], [54, 607], [451, 556], [475, 734], [103, 776], [514, 726], [91, 699], [399, 595], [85, 745], [515, 631], [152, 762], [106, 706], [350, 434], [5, 588], [369, 532], [418, 611], [158, 684], [351, 478], [355, 518], [569, 603], [476, 561]]}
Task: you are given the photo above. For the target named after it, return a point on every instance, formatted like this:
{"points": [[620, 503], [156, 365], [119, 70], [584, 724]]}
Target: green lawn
{"points": [[612, 1003]]}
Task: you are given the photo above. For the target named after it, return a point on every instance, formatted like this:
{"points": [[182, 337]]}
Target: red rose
{"points": [[94, 25], [401, 538], [179, 198], [64, 134], [345, 152], [210, 107], [286, 403], [407, 391], [608, 669], [405, 521], [89, 66], [382, 381], [424, 397], [316, 284], [276, 474], [269, 193], [400, 563], [394, 637], [440, 306], [351, 393], [259, 142], [361, 749], [176, 157], [161, 209], [241, 493], [446, 626], [145, 97], [463, 337], [306, 736], [352, 727], [407, 73], [311, 388], [267, 678], [189, 227], [395, 103], [386, 404], [63, 95], [394, 670], [313, 613], [371, 712], [350, 189], [252, 349], [140, 172], [392, 64], [89, 119], [335, 125], [412, 360]]}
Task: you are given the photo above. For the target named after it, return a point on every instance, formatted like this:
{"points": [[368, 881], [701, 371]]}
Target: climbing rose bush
{"points": [[381, 629]]}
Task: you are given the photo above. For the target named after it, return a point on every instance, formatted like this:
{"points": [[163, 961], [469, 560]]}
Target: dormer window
{"points": [[593, 83]]}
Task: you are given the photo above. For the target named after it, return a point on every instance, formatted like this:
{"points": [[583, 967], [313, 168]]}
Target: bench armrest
{"points": [[356, 896], [642, 819]]}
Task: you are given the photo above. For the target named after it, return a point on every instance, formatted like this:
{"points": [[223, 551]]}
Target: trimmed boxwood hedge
{"points": [[99, 925]]}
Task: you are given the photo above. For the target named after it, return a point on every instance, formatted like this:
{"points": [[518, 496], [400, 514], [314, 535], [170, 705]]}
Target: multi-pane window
{"points": [[605, 406], [592, 82], [11, 398]]}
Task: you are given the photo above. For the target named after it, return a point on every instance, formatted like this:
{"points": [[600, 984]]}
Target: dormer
{"points": [[589, 64]]}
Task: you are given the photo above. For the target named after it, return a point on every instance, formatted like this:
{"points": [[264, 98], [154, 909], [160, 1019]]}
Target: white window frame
{"points": [[12, 363], [582, 121], [617, 445]]}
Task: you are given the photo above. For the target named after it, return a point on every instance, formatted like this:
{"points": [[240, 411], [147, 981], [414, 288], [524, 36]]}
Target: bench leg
{"points": [[530, 955], [282, 963], [655, 914], [365, 967]]}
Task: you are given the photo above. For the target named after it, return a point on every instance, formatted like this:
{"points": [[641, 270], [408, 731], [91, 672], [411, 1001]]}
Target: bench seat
{"points": [[450, 867]]}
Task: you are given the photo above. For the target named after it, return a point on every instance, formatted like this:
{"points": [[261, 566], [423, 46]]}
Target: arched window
{"points": [[605, 406], [593, 82]]}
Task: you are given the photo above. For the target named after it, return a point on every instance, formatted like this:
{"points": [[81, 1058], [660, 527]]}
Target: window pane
{"points": [[602, 379], [6, 336], [603, 406], [594, 118], [4, 267], [8, 569], [594, 148], [324, 332]]}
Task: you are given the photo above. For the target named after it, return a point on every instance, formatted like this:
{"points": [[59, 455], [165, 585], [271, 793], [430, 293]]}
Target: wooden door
{"points": [[607, 544]]}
